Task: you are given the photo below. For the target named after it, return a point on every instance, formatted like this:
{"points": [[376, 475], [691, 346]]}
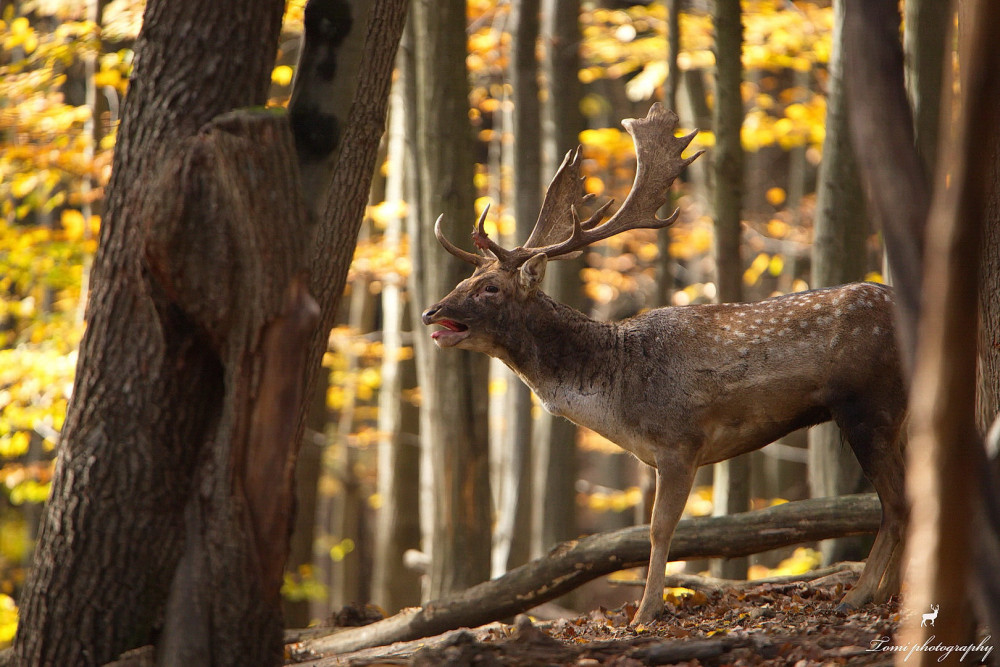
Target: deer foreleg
{"points": [[674, 477]]}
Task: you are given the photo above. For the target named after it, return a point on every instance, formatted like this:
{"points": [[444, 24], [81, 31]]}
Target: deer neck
{"points": [[566, 358]]}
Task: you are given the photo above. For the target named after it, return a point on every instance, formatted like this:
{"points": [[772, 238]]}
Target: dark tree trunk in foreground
{"points": [[732, 478], [147, 389], [948, 477], [174, 479]]}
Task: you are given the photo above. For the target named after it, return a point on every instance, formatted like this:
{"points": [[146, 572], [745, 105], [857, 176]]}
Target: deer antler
{"points": [[559, 232], [555, 221], [658, 163]]}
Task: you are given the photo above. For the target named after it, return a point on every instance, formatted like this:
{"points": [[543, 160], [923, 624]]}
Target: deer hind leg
{"points": [[876, 442], [674, 477]]}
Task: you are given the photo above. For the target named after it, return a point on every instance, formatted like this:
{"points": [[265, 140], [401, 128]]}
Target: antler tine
{"points": [[484, 242], [564, 191], [658, 163], [464, 255]]}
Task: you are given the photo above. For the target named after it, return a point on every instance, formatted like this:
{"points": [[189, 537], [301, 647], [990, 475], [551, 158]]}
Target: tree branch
{"points": [[576, 562]]}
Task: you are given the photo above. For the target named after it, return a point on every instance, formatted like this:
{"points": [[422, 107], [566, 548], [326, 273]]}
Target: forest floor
{"points": [[767, 624]]}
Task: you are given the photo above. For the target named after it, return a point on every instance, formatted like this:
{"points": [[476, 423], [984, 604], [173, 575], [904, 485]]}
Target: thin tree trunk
{"points": [[732, 478], [925, 45], [838, 257], [319, 104], [453, 383], [513, 516], [398, 522], [554, 439]]}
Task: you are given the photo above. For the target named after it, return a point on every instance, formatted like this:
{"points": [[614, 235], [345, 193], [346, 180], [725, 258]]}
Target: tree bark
{"points": [[881, 125], [147, 390], [838, 257], [731, 487], [573, 563], [453, 383], [397, 525], [554, 439], [512, 539], [927, 24], [175, 472], [946, 461], [326, 78]]}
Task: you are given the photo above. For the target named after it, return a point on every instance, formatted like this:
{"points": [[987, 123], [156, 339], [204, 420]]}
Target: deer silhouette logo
{"points": [[929, 618]]}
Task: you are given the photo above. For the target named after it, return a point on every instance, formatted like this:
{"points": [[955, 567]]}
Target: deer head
{"points": [[477, 306]]}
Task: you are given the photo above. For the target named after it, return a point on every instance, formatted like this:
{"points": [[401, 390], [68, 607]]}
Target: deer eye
{"points": [[492, 289]]}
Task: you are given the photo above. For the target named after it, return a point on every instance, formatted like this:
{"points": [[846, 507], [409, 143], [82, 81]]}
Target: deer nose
{"points": [[428, 315]]}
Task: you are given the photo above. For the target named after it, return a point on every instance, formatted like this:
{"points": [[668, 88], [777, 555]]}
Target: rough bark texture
{"points": [[988, 391], [573, 563], [554, 439], [882, 132], [188, 396], [229, 255], [147, 389], [838, 257], [946, 459], [453, 384], [732, 477]]}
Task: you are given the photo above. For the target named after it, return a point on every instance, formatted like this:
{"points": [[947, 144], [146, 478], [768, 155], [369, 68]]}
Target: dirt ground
{"points": [[768, 624]]}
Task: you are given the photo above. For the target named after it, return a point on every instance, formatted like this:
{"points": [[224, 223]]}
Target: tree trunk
{"points": [[453, 383], [398, 521], [146, 390], [732, 478], [838, 257], [554, 439], [513, 532], [945, 455], [318, 105], [175, 473], [925, 44], [882, 133]]}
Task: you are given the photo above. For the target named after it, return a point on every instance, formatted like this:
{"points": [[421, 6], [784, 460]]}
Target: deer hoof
{"points": [[645, 616]]}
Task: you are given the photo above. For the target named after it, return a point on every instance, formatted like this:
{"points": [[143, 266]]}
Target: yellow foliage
{"points": [[775, 196], [699, 502], [801, 561], [8, 619], [282, 75]]}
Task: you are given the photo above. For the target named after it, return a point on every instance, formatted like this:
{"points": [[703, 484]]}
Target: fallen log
{"points": [[576, 562]]}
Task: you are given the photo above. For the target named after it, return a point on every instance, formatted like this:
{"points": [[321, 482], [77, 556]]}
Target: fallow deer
{"points": [[681, 387]]}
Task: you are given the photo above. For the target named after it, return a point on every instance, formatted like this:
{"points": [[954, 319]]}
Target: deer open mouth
{"points": [[452, 334]]}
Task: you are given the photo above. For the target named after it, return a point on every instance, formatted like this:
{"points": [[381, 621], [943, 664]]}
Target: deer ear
{"points": [[532, 271]]}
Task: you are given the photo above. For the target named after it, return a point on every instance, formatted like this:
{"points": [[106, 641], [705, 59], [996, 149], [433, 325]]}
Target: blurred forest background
{"points": [[363, 531]]}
